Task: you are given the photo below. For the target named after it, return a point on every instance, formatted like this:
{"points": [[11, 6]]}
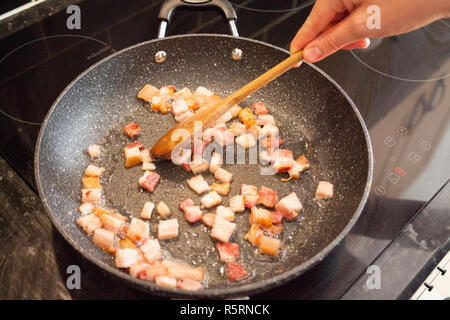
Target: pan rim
{"points": [[236, 291]]}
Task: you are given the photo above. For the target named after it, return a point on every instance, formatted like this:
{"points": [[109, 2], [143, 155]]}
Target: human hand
{"points": [[342, 24]]}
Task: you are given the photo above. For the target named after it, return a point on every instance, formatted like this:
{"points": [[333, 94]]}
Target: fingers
{"points": [[360, 44], [321, 15]]}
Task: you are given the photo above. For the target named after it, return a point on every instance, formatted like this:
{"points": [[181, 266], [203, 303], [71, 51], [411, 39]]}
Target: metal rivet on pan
{"points": [[160, 56], [236, 54]]}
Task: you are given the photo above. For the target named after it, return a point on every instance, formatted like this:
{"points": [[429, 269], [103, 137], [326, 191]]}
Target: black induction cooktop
{"points": [[399, 84]]}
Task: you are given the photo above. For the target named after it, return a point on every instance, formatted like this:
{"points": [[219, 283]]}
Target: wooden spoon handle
{"points": [[209, 114]]}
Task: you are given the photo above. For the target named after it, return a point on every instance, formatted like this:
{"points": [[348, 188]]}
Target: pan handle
{"points": [[168, 7]]}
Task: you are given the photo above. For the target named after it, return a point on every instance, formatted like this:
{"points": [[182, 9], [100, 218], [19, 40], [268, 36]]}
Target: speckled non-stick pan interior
{"points": [[315, 118]]}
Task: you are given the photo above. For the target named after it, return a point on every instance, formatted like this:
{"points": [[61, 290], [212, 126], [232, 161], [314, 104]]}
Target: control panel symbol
{"points": [[390, 141], [414, 157]]}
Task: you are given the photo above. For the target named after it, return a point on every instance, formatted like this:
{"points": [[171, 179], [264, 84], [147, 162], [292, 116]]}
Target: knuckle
{"points": [[331, 41]]}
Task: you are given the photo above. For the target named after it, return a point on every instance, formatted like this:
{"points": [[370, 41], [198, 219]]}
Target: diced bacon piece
{"points": [[125, 258], [137, 270], [271, 142], [208, 134], [254, 235], [282, 163], [269, 245], [236, 203], [86, 208], [149, 180], [163, 210], [151, 250], [237, 128], [99, 211], [138, 230], [269, 130], [223, 175], [274, 229], [265, 119], [126, 243], [111, 223], [228, 252], [103, 238], [198, 166], [157, 103], [91, 195], [179, 271], [236, 271], [227, 116], [186, 166], [166, 91], [208, 219], [267, 197], [186, 203], [277, 217], [166, 281], [90, 182], [188, 284], [132, 129], [235, 110], [221, 188], [246, 140], [211, 199], [148, 166], [192, 214], [261, 216], [222, 229], [168, 229], [147, 92], [89, 223], [260, 108], [324, 190], [147, 210], [223, 137], [198, 184], [172, 89], [93, 171], [250, 194], [134, 144], [203, 92], [289, 206], [300, 165], [225, 213], [183, 93], [94, 150], [264, 157], [133, 157], [247, 117], [179, 107], [303, 162], [181, 156], [152, 271], [184, 116], [198, 147], [146, 156], [216, 162]]}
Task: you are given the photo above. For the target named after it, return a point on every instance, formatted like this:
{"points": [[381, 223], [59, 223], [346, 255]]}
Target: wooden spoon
{"points": [[210, 113]]}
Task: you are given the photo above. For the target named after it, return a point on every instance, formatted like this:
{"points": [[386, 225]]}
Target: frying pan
{"points": [[316, 118]]}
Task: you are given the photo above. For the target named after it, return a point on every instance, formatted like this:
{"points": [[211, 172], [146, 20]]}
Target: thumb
{"points": [[349, 30]]}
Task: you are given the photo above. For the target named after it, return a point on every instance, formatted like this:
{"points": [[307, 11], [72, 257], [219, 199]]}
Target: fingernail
{"points": [[312, 54]]}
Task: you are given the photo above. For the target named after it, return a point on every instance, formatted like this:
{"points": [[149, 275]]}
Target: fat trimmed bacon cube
{"points": [[186, 203], [250, 194], [112, 223], [148, 166], [324, 190], [89, 223], [133, 157], [163, 209], [261, 216], [223, 175], [181, 156], [203, 92], [282, 160], [93, 171], [208, 219], [134, 144], [179, 271], [237, 128], [277, 217], [168, 229], [137, 270], [198, 184], [260, 108], [216, 162], [151, 250], [265, 119], [103, 238], [149, 180], [138, 230], [132, 129], [225, 213], [228, 252], [166, 281], [211, 199], [146, 156], [300, 165], [183, 93], [192, 214], [91, 195], [184, 116], [179, 107], [269, 245], [236, 271], [221, 188], [246, 140], [147, 92], [188, 284], [254, 235], [267, 197], [152, 271], [147, 210], [236, 203], [198, 166], [289, 206], [86, 208], [222, 229], [94, 150], [125, 258]]}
